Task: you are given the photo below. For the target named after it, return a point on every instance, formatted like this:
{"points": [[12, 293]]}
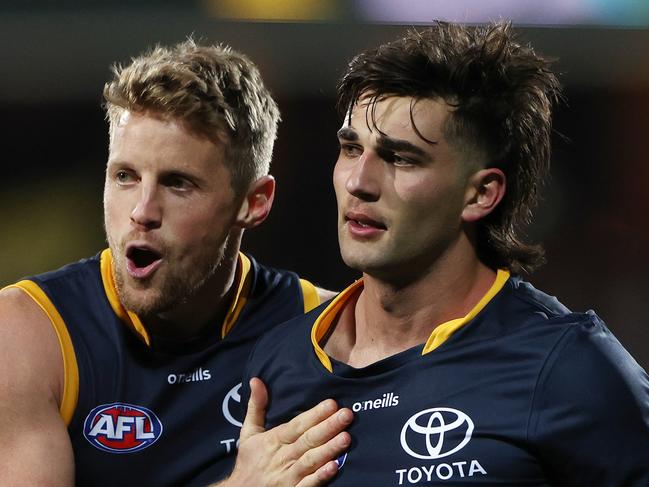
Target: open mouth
{"points": [[142, 261], [142, 257]]}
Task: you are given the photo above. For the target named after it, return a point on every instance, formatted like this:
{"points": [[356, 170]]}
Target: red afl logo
{"points": [[121, 428]]}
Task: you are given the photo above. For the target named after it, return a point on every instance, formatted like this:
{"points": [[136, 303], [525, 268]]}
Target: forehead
{"points": [[130, 123], [143, 136], [421, 119]]}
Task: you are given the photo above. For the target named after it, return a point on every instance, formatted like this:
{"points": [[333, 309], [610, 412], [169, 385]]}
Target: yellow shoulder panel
{"points": [[70, 367], [309, 295]]}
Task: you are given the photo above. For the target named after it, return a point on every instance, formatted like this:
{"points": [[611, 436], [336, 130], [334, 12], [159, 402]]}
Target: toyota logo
{"points": [[233, 395], [436, 433]]}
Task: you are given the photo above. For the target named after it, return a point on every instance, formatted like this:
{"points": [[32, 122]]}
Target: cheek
{"points": [[118, 204], [415, 197], [111, 209], [202, 223], [340, 175], [429, 202], [107, 197]]}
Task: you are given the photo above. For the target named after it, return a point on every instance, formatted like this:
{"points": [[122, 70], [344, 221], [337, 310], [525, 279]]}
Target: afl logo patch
{"points": [[121, 428]]}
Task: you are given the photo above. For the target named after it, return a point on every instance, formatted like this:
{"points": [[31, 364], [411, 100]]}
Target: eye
{"points": [[123, 177], [397, 160], [350, 150], [177, 182]]}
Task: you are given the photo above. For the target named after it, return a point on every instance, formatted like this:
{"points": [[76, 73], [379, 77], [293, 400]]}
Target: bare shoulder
{"points": [[35, 447], [28, 344]]}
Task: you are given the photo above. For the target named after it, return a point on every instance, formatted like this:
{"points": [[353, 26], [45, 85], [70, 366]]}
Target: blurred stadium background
{"points": [[55, 57]]}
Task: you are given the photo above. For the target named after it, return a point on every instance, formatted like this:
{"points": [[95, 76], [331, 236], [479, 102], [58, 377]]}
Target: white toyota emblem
{"points": [[426, 434], [232, 395]]}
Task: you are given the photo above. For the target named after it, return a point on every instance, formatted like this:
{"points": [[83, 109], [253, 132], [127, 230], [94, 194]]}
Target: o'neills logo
{"points": [[388, 399], [195, 376]]}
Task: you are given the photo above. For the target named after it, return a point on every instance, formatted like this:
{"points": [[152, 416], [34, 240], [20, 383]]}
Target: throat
{"points": [[359, 342], [382, 321], [205, 310], [366, 332], [198, 317]]}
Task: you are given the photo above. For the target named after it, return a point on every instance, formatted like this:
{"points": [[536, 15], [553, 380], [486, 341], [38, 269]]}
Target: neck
{"points": [[388, 318], [207, 307]]}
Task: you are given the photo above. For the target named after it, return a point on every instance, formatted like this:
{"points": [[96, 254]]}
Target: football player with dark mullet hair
{"points": [[444, 144]]}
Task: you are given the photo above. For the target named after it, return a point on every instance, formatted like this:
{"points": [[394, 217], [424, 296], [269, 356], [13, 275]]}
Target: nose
{"points": [[363, 181], [147, 212]]}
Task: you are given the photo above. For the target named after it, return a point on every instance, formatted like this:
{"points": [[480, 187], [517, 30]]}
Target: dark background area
{"points": [[592, 220]]}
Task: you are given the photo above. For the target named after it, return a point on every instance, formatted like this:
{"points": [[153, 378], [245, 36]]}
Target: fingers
{"points": [[321, 443], [256, 413], [292, 431], [321, 458], [298, 453], [324, 431], [327, 471]]}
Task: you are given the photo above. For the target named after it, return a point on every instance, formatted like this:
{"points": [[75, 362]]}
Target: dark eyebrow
{"points": [[348, 133], [399, 145]]}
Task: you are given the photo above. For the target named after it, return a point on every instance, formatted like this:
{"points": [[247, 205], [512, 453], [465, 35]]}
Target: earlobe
{"points": [[257, 202], [485, 191]]}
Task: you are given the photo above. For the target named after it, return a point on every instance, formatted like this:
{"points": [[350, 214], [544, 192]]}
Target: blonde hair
{"points": [[215, 90]]}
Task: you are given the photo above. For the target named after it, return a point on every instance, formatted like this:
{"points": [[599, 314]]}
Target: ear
{"points": [[257, 202], [485, 190]]}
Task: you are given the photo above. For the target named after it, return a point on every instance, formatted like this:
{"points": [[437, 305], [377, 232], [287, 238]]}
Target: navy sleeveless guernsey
{"points": [[142, 411], [519, 392]]}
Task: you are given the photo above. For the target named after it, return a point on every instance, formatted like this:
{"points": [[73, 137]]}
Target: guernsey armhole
{"points": [[70, 367], [309, 295]]}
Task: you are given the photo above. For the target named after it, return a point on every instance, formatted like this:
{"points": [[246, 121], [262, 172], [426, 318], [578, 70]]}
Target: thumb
{"points": [[256, 414]]}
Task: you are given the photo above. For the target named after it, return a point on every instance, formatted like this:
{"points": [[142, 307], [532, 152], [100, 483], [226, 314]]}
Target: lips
{"points": [[142, 260], [364, 220], [362, 225]]}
